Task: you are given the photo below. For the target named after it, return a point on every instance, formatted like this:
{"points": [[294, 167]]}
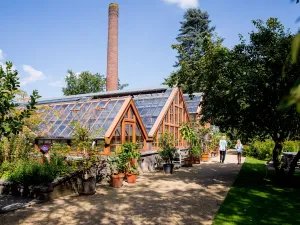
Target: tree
{"points": [[85, 82], [194, 31], [11, 115], [243, 86]]}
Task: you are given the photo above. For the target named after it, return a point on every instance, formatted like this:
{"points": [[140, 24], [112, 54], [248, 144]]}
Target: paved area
{"points": [[189, 196]]}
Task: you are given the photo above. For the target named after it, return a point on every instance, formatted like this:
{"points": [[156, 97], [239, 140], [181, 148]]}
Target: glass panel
{"points": [[100, 144], [102, 104], [139, 137], [116, 139], [59, 130], [77, 106], [128, 132]]}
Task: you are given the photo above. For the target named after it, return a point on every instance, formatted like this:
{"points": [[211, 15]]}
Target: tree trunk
{"points": [[294, 164], [276, 153]]}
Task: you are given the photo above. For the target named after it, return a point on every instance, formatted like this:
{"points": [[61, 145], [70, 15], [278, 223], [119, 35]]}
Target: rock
{"points": [[13, 207]]}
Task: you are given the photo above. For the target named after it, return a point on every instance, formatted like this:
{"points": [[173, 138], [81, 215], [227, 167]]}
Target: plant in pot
{"points": [[189, 133], [130, 154], [82, 140], [167, 152], [131, 174], [118, 166]]}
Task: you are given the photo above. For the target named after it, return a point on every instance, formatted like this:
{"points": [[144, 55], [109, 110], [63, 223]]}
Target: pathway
{"points": [[189, 196]]}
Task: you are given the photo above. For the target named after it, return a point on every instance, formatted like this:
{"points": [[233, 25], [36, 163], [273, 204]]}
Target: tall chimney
{"points": [[112, 48]]}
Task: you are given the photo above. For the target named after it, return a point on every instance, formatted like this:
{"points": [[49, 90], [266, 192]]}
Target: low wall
{"points": [[151, 161], [70, 184]]}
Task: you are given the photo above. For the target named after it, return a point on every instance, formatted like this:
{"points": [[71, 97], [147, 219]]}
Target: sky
{"points": [[45, 38]]}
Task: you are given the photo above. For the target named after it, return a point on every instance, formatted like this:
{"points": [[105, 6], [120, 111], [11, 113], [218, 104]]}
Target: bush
{"points": [[15, 147], [29, 172], [260, 149], [291, 146], [263, 150]]}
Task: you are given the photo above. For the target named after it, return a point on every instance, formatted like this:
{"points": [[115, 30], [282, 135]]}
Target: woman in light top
{"points": [[239, 148], [222, 148]]}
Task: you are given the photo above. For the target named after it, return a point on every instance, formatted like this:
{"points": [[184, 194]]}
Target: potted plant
{"points": [[130, 154], [117, 167], [83, 139], [167, 152], [131, 174], [190, 132]]}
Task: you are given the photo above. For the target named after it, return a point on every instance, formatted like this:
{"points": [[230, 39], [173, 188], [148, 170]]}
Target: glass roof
{"points": [[97, 115], [150, 106], [192, 104]]}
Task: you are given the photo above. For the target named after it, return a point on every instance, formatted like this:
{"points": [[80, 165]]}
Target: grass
{"points": [[255, 199]]}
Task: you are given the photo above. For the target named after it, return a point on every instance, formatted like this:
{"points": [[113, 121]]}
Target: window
{"points": [[139, 137], [116, 139]]}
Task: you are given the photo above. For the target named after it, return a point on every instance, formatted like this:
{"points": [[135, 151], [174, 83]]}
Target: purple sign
{"points": [[45, 149]]}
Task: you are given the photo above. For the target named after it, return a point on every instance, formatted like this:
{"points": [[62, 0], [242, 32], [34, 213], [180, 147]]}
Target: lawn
{"points": [[256, 200]]}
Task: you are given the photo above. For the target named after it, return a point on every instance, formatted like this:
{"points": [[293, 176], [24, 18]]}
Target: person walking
{"points": [[222, 148], [239, 148]]}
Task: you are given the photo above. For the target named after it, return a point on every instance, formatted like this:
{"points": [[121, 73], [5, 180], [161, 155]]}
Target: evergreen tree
{"points": [[195, 30]]}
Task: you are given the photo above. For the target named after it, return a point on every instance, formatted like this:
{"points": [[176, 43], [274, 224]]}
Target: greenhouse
{"points": [[115, 117]]}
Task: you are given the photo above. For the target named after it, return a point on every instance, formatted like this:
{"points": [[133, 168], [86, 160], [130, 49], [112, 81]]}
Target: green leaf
{"points": [[295, 48]]}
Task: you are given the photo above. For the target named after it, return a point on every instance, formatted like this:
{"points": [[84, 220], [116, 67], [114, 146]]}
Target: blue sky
{"points": [[46, 38]]}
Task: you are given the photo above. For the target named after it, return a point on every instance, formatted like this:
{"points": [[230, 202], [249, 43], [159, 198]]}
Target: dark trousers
{"points": [[222, 156]]}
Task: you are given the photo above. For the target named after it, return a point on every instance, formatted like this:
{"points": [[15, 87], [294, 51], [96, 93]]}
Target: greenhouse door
{"points": [[129, 132]]}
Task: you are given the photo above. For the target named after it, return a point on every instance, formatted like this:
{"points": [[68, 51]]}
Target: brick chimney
{"points": [[112, 48]]}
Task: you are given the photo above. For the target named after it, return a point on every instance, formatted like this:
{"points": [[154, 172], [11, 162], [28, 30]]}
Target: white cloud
{"points": [[184, 4], [58, 83], [1, 55], [33, 75], [2, 63]]}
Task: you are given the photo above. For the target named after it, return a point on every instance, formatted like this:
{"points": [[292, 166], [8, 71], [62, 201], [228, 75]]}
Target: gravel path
{"points": [[189, 196]]}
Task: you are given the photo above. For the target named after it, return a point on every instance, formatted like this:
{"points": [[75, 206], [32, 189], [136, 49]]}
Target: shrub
{"points": [[260, 149], [264, 149], [29, 172], [291, 146], [15, 147], [168, 149]]}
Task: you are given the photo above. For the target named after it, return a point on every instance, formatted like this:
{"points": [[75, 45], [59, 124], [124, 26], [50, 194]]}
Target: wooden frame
{"points": [[174, 112]]}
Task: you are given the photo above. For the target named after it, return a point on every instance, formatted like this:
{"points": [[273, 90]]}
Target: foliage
{"points": [[130, 150], [10, 122], [15, 147], [194, 30], [255, 198], [36, 125], [242, 87], [196, 136], [263, 149], [167, 144], [294, 97], [30, 172], [291, 146], [118, 164], [82, 138], [260, 149], [85, 82]]}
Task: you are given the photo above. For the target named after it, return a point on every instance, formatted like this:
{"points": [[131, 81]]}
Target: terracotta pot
{"points": [[131, 178], [117, 180], [205, 157]]}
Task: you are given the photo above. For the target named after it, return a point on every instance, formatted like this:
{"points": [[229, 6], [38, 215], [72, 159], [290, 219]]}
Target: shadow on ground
{"points": [[189, 196]]}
